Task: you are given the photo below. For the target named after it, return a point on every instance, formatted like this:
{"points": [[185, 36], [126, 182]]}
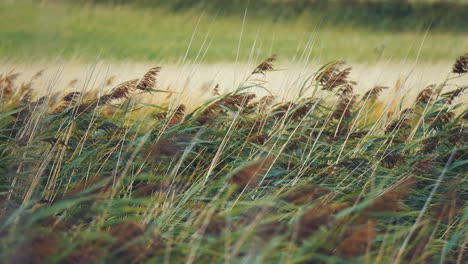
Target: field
{"points": [[122, 142], [85, 33]]}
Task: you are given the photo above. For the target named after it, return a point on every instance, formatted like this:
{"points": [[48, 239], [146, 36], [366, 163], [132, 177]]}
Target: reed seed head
{"points": [[266, 65], [148, 81], [461, 65]]}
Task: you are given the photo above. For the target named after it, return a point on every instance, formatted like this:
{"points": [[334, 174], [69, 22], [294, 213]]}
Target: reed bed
{"points": [[331, 176]]}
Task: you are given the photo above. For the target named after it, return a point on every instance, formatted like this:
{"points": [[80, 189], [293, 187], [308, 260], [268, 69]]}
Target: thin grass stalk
{"points": [[400, 253]]}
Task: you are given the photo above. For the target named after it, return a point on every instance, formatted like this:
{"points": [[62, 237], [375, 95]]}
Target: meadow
{"points": [[178, 134], [31, 30]]}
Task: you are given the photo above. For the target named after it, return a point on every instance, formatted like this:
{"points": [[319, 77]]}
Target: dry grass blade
{"points": [[452, 95], [461, 65], [148, 81], [266, 65], [26, 99]]}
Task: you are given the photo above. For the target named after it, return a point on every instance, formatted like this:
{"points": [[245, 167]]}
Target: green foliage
{"points": [[33, 31], [238, 179], [375, 14]]}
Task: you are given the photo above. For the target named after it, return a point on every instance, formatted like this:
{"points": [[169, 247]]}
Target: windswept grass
{"points": [[238, 179]]}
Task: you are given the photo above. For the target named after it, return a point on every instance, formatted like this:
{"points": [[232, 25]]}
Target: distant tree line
{"points": [[445, 15]]}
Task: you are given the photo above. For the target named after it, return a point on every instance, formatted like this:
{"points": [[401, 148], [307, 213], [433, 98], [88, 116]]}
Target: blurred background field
{"points": [[203, 43], [228, 31]]}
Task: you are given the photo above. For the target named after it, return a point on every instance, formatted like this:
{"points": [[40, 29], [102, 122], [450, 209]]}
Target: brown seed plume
{"points": [[248, 176], [67, 101], [302, 110], [7, 84], [390, 200], [266, 65], [400, 124], [126, 246], [424, 166], [259, 139], [280, 110], [121, 91], [92, 252], [425, 95], [304, 194], [212, 226], [150, 189], [357, 240], [216, 91], [461, 65], [94, 182], [315, 217], [176, 116], [127, 231], [71, 97], [442, 119], [163, 147], [333, 76], [265, 102], [392, 159], [234, 102], [344, 108], [374, 93], [452, 95], [36, 249], [72, 83], [148, 81], [110, 80]]}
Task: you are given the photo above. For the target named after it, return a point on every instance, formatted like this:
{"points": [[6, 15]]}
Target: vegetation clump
{"points": [[236, 179]]}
